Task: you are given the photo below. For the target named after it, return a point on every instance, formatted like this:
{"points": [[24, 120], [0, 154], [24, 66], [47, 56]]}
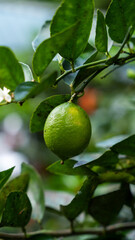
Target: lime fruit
{"points": [[67, 130]]}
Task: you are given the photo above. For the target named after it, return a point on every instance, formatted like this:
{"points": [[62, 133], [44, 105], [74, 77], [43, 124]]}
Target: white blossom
{"points": [[4, 95]]}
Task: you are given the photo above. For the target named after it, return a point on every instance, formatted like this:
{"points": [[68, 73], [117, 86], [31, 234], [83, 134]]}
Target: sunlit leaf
{"points": [[35, 192], [101, 41], [11, 73], [81, 200], [5, 175], [47, 50], [44, 108], [17, 210], [120, 16], [67, 14], [68, 168]]}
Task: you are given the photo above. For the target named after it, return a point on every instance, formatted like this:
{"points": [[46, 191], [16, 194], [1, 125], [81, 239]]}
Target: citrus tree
{"points": [[66, 127]]}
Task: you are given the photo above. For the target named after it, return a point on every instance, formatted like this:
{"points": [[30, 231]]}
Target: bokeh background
{"points": [[109, 102]]}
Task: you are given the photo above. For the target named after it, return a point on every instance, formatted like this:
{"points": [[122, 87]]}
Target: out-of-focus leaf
{"points": [[84, 73], [27, 72], [47, 50], [43, 34], [81, 200], [106, 207], [111, 141], [126, 146], [68, 168], [5, 175], [44, 108], [120, 16], [17, 184], [118, 176], [11, 73], [108, 160], [35, 192], [101, 41], [31, 89], [67, 14], [17, 210]]}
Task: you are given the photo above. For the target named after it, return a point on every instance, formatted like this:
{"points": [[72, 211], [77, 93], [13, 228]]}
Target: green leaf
{"points": [[17, 210], [120, 16], [42, 35], [110, 141], [35, 192], [27, 72], [101, 40], [17, 184], [117, 176], [31, 89], [23, 90], [85, 73], [109, 160], [67, 14], [68, 168], [106, 207], [4, 176], [126, 146], [44, 108], [81, 200], [11, 73], [47, 50]]}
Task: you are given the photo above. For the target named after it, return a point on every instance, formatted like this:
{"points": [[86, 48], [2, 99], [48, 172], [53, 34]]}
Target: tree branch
{"points": [[66, 233]]}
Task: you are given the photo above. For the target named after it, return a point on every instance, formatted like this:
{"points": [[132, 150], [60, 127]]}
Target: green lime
{"points": [[67, 130]]}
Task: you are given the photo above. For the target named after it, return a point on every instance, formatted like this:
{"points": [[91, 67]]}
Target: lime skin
{"points": [[67, 130]]}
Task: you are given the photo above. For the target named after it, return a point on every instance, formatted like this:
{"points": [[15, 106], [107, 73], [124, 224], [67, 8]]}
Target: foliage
{"points": [[22, 198]]}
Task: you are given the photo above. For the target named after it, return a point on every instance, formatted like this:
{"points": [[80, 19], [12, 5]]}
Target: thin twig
{"points": [[65, 233], [114, 69], [80, 67]]}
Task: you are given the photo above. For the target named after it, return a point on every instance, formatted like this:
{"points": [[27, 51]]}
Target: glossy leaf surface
{"points": [[44, 108], [11, 73], [47, 50], [31, 89], [28, 76], [101, 41], [67, 14], [119, 18], [108, 160]]}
